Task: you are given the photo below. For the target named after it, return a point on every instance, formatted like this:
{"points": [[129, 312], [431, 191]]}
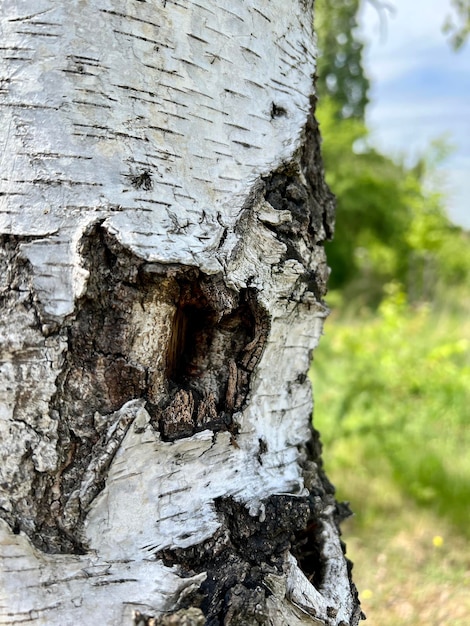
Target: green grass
{"points": [[392, 402]]}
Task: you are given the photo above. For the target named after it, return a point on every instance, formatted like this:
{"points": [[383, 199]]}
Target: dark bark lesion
{"points": [[216, 341], [238, 558], [248, 549]]}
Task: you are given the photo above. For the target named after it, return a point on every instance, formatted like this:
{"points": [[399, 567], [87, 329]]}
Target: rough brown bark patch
{"points": [[170, 335]]}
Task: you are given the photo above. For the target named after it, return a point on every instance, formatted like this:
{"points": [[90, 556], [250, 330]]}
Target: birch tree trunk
{"points": [[162, 272]]}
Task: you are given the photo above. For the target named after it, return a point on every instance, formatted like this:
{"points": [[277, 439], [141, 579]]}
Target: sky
{"points": [[420, 91]]}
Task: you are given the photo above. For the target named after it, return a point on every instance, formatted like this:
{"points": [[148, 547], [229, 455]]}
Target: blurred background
{"points": [[391, 376]]}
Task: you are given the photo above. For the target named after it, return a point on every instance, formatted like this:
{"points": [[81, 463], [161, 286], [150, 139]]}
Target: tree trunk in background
{"points": [[162, 271]]}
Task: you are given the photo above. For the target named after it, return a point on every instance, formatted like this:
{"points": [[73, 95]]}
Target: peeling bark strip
{"points": [[162, 215]]}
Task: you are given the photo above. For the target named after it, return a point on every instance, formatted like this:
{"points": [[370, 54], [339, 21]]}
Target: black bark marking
{"points": [[240, 555], [277, 111], [142, 180], [300, 188], [324, 202], [262, 449]]}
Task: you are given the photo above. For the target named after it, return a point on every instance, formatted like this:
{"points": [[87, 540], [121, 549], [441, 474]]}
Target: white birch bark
{"points": [[162, 214]]}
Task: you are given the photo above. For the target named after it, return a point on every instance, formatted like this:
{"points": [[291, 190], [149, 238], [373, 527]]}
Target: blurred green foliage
{"points": [[340, 72], [391, 397], [390, 224], [457, 26], [391, 376]]}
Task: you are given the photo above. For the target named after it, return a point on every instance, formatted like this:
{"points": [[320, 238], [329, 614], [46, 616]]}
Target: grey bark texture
{"points": [[162, 273]]}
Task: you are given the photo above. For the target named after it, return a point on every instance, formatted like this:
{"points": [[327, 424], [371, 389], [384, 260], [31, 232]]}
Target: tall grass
{"points": [[392, 402]]}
